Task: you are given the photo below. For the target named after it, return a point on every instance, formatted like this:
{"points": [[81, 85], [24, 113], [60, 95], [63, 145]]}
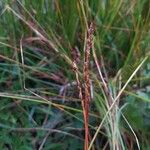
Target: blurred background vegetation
{"points": [[35, 42]]}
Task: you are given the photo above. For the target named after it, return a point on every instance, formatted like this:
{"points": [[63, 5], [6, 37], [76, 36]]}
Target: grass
{"points": [[40, 103]]}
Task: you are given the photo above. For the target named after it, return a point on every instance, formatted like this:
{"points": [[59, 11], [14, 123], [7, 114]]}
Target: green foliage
{"points": [[46, 31]]}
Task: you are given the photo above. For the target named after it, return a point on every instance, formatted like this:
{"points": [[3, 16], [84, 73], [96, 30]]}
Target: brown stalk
{"points": [[84, 91]]}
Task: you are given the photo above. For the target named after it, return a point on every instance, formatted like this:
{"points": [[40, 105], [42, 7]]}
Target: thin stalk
{"points": [[116, 99]]}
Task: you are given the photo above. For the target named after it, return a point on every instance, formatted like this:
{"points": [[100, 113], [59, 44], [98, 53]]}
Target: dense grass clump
{"points": [[74, 74]]}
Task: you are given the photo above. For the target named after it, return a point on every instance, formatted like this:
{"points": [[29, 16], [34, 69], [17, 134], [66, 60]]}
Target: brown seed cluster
{"points": [[84, 88], [76, 55], [86, 66]]}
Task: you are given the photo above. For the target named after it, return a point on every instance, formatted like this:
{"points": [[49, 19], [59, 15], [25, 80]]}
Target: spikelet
{"points": [[86, 66], [84, 91]]}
